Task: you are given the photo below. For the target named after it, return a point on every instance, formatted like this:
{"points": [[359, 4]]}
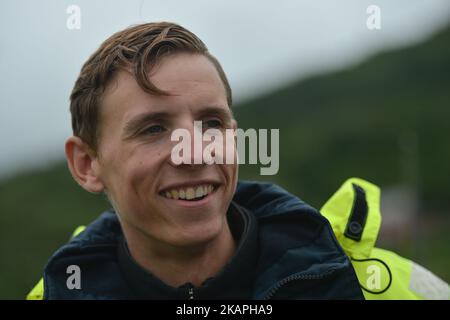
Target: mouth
{"points": [[191, 193]]}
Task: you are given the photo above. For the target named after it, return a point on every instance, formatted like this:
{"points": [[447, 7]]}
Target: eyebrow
{"points": [[225, 115], [133, 125]]}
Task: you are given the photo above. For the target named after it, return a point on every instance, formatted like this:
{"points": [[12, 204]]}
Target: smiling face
{"points": [[134, 155]]}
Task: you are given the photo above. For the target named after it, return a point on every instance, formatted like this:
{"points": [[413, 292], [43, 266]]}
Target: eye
{"points": [[213, 123], [153, 129]]}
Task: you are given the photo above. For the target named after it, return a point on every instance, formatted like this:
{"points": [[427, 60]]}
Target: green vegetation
{"points": [[350, 123]]}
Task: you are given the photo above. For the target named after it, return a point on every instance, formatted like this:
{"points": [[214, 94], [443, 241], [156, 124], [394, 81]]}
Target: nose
{"points": [[196, 130], [188, 145]]}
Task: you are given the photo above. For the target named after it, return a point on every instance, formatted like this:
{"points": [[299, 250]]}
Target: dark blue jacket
{"points": [[299, 256]]}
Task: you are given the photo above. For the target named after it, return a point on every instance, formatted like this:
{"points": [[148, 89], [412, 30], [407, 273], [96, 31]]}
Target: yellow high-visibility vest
{"points": [[354, 214]]}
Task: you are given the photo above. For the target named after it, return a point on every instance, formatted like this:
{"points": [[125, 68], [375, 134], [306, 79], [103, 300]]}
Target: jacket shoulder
{"points": [[37, 293]]}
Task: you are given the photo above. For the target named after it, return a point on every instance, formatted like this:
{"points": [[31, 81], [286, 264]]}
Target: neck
{"points": [[176, 266]]}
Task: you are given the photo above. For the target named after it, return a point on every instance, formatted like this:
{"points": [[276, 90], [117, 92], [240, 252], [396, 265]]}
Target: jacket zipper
{"points": [[296, 277], [191, 293]]}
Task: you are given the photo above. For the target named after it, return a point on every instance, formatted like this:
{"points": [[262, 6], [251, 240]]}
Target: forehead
{"points": [[192, 80]]}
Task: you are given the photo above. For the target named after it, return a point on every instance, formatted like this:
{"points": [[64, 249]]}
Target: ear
{"points": [[83, 164]]}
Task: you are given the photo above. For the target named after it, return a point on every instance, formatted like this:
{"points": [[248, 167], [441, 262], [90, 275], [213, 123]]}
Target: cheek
{"points": [[231, 173], [144, 168], [118, 175]]}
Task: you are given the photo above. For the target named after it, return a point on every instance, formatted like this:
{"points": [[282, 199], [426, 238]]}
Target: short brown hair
{"points": [[135, 49]]}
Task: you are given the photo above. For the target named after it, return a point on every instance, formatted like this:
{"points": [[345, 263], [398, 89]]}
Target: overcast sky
{"points": [[261, 45]]}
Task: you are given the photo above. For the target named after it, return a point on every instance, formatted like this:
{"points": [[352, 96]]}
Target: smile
{"points": [[192, 193]]}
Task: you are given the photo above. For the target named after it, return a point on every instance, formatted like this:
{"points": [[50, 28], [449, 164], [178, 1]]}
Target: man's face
{"points": [[134, 160]]}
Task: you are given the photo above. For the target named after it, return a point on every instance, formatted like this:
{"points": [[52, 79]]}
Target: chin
{"points": [[199, 234]]}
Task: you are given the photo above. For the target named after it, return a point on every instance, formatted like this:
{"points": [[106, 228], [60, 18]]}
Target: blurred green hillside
{"points": [[386, 120], [368, 121]]}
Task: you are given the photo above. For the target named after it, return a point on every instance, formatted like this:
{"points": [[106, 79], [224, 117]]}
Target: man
{"points": [[180, 231]]}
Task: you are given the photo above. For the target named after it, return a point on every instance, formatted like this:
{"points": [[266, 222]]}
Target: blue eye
{"points": [[153, 129], [213, 123]]}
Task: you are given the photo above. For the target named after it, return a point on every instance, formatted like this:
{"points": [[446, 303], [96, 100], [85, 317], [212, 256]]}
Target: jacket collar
{"points": [[296, 244], [234, 281]]}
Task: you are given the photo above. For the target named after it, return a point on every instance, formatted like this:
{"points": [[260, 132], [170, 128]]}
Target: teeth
{"points": [[189, 193], [199, 192]]}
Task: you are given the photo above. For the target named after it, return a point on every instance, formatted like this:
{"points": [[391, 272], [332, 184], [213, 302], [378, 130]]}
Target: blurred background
{"points": [[349, 101]]}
